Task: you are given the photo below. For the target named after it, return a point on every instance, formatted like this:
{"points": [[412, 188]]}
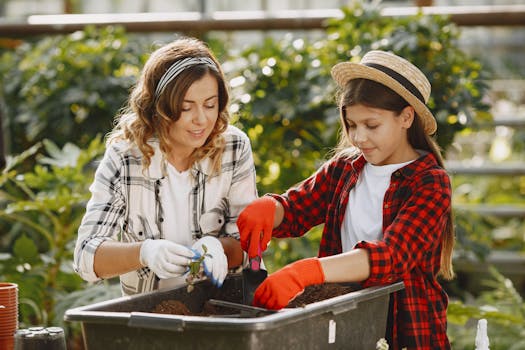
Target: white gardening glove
{"points": [[167, 259], [215, 261]]}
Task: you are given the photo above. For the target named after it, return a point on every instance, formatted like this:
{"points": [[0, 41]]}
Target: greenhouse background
{"points": [[61, 88]]}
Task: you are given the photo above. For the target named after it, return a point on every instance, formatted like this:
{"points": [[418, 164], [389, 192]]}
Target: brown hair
{"points": [[376, 95], [145, 117]]}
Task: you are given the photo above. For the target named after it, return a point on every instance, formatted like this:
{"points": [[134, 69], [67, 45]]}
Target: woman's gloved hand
{"points": [[278, 289], [255, 225], [165, 258], [215, 261]]}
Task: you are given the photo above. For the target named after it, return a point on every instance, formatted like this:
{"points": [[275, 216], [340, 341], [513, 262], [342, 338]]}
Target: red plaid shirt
{"points": [[415, 211]]}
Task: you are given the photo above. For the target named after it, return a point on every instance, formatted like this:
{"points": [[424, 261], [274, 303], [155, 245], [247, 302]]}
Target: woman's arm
{"points": [[103, 212], [116, 258], [233, 251]]}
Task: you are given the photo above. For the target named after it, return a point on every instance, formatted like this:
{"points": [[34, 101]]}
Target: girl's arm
{"points": [[280, 287], [352, 266]]}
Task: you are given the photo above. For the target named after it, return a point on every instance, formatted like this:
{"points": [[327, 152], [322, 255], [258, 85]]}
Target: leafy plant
{"points": [[67, 87], [501, 305], [197, 269], [40, 211]]}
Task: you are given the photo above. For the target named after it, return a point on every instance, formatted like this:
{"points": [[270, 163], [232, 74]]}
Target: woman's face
{"points": [[200, 110], [380, 134]]}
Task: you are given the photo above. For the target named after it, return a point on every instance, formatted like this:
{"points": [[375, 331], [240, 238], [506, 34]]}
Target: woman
{"points": [[173, 179], [384, 200]]}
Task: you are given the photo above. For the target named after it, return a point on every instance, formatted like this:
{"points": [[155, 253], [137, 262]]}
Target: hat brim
{"points": [[345, 71]]}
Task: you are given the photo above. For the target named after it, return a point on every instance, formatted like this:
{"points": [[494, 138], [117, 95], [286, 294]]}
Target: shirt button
{"points": [[386, 206], [161, 219]]}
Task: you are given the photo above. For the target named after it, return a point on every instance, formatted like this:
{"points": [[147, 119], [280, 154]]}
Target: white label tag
{"points": [[331, 331]]}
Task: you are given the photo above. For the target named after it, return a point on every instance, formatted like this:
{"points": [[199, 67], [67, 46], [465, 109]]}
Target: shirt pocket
{"points": [[139, 229], [212, 222]]}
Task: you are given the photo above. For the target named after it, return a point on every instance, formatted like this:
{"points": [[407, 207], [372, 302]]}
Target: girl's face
{"points": [[200, 110], [380, 134]]}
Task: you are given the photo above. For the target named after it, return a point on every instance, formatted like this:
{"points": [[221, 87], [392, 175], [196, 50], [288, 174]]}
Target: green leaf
{"points": [[25, 249]]}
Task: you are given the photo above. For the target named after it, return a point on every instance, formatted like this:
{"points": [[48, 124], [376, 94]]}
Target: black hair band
{"points": [[399, 78]]}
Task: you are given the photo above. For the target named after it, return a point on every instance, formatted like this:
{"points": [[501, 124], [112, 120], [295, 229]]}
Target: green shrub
{"points": [[67, 87], [40, 211], [504, 309]]}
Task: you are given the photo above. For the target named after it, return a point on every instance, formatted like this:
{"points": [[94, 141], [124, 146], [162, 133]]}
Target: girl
{"points": [[173, 179], [384, 200]]}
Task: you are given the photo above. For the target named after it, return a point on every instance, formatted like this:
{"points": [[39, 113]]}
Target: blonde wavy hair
{"points": [[376, 95], [145, 117]]}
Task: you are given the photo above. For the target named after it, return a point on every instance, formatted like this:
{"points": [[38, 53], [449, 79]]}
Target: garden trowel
{"points": [[252, 276]]}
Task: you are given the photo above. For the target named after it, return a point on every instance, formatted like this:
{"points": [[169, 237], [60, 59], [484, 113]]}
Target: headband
{"points": [[177, 67]]}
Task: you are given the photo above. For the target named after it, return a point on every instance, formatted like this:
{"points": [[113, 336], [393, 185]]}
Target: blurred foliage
{"points": [[67, 87], [40, 211], [503, 308], [480, 233]]}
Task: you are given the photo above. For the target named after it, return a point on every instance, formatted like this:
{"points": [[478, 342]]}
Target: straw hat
{"points": [[396, 73]]}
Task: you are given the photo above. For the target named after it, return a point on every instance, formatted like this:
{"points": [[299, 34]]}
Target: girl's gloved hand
{"points": [[215, 261], [165, 258], [255, 225], [278, 289]]}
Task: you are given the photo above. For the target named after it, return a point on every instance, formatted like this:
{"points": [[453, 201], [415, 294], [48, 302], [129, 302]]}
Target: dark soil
{"points": [[176, 307], [320, 292], [310, 295]]}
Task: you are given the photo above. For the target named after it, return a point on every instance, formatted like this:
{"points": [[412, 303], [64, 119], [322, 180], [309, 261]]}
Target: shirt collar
{"points": [[425, 161], [158, 166]]}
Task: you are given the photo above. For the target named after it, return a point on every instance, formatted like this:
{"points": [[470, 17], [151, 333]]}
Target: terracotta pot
{"points": [[7, 343], [8, 314]]}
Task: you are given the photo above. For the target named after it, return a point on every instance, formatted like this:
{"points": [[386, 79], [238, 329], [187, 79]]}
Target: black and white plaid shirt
{"points": [[125, 203]]}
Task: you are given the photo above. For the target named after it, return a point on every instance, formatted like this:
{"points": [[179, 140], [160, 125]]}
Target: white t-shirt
{"points": [[175, 201], [364, 213]]}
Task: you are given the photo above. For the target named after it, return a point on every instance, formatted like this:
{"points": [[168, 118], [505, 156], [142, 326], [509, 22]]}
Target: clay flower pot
{"points": [[8, 314]]}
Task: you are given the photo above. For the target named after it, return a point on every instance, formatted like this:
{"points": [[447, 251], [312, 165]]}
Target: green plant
{"points": [[67, 87], [196, 269], [481, 233], [501, 305], [40, 211]]}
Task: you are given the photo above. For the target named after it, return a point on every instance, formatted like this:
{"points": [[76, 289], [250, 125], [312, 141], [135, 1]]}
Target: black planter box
{"points": [[356, 320]]}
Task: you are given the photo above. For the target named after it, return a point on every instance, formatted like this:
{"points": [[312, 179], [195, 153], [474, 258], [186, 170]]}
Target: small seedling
{"points": [[197, 270]]}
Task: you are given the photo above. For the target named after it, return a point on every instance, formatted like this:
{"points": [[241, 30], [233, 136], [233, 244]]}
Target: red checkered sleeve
{"points": [[305, 205]]}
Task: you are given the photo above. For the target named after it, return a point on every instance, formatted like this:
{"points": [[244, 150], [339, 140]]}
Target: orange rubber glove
{"points": [[255, 225], [282, 286]]}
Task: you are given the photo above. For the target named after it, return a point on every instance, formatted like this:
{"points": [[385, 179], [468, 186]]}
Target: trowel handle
{"points": [[255, 262]]}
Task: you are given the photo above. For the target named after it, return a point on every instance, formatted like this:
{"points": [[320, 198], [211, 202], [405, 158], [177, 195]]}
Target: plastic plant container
{"points": [[356, 320]]}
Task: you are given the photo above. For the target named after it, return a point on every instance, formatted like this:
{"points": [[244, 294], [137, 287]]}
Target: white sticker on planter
{"points": [[331, 331]]}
